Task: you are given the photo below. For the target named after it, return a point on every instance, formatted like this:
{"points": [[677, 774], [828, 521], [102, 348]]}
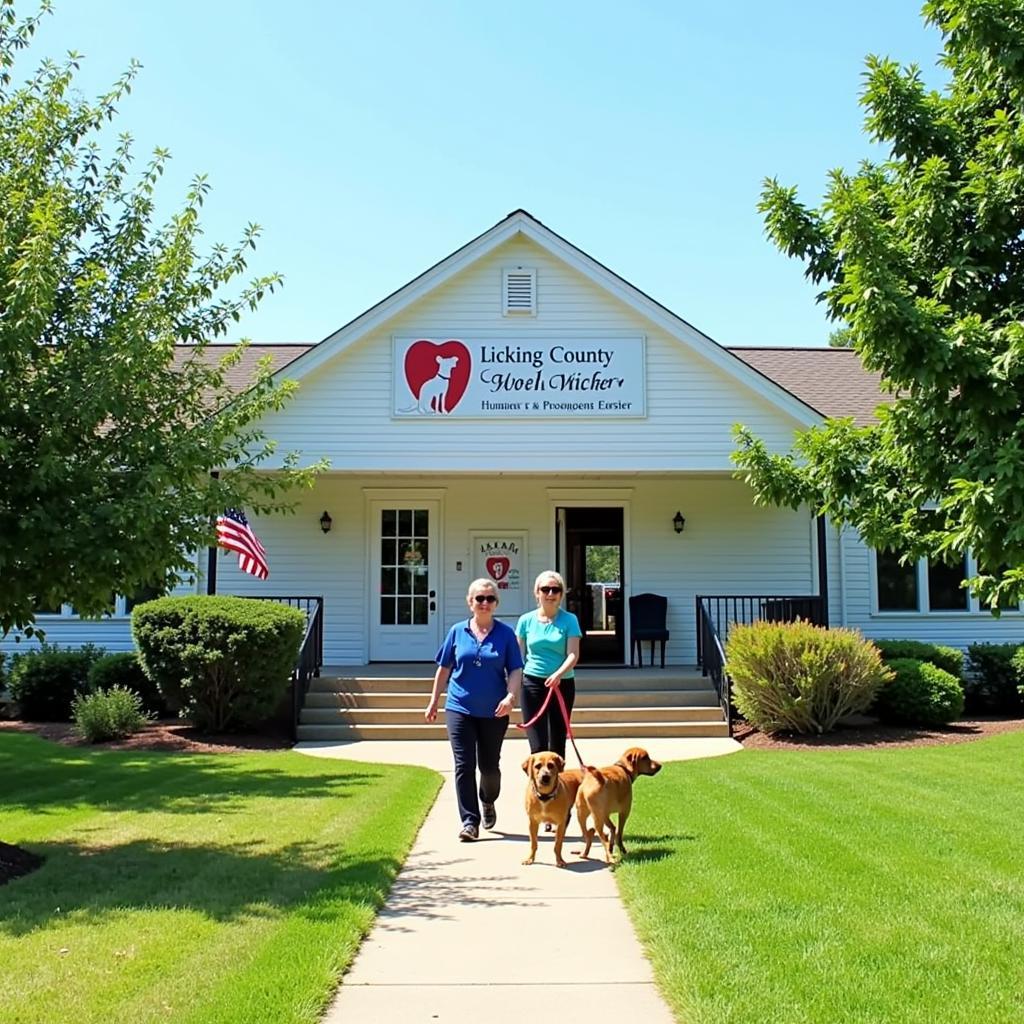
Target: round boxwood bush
{"points": [[124, 669], [225, 661], [992, 687], [1017, 663], [795, 677], [108, 714], [919, 693], [44, 683], [949, 658]]}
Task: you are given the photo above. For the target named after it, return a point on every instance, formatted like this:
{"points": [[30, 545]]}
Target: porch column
{"points": [[823, 571]]}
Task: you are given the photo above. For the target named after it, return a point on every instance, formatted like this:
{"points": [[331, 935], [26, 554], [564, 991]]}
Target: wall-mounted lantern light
{"points": [[325, 522], [678, 522]]}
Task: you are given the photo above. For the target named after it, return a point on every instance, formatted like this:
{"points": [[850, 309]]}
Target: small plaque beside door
{"points": [[501, 555]]}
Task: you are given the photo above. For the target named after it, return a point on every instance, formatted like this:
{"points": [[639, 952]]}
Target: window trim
{"points": [[973, 609]]}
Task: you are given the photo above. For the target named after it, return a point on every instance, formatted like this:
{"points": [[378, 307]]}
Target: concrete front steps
{"points": [[622, 703]]}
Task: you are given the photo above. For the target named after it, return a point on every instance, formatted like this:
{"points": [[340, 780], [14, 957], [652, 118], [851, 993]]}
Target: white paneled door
{"points": [[405, 575]]}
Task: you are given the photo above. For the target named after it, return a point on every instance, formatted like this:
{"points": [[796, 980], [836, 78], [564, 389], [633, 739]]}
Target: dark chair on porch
{"points": [[648, 614]]}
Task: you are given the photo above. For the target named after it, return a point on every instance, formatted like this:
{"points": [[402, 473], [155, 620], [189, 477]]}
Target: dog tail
{"points": [[589, 769]]}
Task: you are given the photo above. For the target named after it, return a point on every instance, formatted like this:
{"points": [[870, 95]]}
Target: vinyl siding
{"points": [[954, 629], [728, 546], [111, 632], [343, 409]]}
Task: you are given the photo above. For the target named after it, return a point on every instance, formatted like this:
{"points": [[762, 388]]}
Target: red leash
{"points": [[565, 715]]}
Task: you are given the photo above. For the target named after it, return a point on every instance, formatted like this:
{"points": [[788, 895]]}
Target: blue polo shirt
{"points": [[547, 643], [478, 689]]}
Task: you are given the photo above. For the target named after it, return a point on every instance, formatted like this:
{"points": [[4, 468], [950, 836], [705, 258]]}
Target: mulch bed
{"points": [[870, 733], [171, 736]]}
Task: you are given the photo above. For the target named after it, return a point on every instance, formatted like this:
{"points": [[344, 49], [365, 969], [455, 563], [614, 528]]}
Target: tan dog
{"points": [[607, 791], [550, 796]]}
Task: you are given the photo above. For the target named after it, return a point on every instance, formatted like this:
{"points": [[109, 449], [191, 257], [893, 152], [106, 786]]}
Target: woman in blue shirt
{"points": [[482, 665], [550, 641]]}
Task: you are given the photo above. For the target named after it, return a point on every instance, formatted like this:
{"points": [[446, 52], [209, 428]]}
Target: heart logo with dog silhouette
{"points": [[437, 374], [498, 566]]}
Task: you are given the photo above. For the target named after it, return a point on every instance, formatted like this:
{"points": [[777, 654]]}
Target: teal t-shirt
{"points": [[547, 643]]}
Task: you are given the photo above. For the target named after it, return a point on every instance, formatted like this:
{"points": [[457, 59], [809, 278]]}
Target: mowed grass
{"points": [[192, 889], [826, 886]]}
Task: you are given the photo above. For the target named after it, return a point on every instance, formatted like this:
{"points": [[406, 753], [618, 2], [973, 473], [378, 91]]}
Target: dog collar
{"points": [[544, 797], [625, 767]]}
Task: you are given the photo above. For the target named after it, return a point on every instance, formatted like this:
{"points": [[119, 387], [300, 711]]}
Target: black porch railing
{"points": [[711, 657], [310, 658], [716, 613]]}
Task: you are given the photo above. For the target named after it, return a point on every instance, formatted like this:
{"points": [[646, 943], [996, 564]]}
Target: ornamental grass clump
{"points": [[123, 669], [108, 714], [795, 677]]}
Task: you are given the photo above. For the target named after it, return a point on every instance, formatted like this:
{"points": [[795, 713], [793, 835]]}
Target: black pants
{"points": [[476, 742], [548, 732]]}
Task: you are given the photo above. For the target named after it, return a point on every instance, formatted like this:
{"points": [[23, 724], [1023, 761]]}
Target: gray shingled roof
{"points": [[240, 376], [829, 380]]}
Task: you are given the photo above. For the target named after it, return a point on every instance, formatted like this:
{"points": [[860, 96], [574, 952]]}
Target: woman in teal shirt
{"points": [[550, 641]]}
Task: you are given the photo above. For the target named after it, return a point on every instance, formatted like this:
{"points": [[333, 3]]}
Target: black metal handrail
{"points": [[726, 609], [310, 658], [711, 656]]}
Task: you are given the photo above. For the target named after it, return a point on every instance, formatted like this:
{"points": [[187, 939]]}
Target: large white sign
{"points": [[569, 377]]}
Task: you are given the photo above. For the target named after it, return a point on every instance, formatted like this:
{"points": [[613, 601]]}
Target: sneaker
{"points": [[490, 816], [469, 833]]}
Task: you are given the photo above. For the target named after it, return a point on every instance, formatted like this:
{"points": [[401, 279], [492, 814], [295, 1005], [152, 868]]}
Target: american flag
{"points": [[235, 534]]}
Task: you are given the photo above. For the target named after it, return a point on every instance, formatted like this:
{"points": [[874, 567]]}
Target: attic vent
{"points": [[519, 293]]}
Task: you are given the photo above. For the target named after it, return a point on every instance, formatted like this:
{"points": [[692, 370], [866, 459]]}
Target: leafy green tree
{"points": [[107, 441], [603, 563], [922, 255], [841, 337]]}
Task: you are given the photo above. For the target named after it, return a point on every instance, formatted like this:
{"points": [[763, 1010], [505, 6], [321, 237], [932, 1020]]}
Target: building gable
{"points": [[693, 393]]}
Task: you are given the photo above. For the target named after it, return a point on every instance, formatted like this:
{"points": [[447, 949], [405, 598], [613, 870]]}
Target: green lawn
{"points": [[832, 886], [188, 889]]}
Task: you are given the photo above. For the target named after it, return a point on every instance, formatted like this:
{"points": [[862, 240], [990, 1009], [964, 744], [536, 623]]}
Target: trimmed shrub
{"points": [[795, 677], [992, 688], [44, 683], [225, 661], [919, 693], [1018, 667], [124, 670], [108, 714], [951, 659]]}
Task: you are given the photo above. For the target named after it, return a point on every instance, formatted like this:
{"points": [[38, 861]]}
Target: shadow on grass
{"points": [[46, 778], [647, 849], [84, 884]]}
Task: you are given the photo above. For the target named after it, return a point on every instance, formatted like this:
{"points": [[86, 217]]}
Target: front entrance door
{"points": [[590, 557], [405, 572]]}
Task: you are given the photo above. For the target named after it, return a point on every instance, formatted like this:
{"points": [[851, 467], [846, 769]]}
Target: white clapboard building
{"points": [[519, 406]]}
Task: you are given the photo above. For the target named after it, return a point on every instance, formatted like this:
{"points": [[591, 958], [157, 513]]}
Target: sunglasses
{"points": [[550, 590], [485, 598]]}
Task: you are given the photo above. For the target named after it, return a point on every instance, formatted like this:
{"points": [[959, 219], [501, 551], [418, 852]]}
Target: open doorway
{"points": [[591, 560]]}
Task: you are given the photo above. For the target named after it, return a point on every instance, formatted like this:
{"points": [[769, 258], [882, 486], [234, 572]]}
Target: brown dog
{"points": [[607, 791], [550, 796]]}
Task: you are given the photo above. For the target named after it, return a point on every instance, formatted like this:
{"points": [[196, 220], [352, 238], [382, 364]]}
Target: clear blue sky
{"points": [[371, 140]]}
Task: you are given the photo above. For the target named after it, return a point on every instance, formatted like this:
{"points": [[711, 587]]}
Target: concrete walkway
{"points": [[469, 933]]}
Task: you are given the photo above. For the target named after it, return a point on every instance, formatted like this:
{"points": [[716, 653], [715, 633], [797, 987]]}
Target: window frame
{"points": [[973, 608]]}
